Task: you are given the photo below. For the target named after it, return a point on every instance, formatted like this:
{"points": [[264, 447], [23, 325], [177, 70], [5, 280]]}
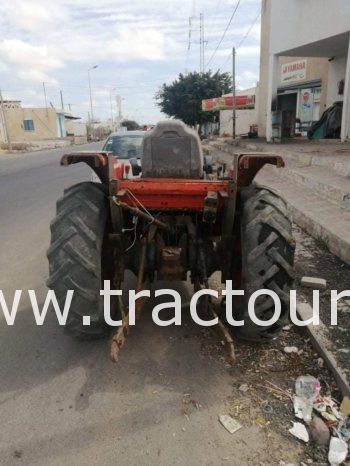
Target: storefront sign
{"points": [[294, 71], [226, 103]]}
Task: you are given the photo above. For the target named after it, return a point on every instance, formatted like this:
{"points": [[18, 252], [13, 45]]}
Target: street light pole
{"points": [[45, 97], [119, 105], [111, 102], [233, 93], [91, 110]]}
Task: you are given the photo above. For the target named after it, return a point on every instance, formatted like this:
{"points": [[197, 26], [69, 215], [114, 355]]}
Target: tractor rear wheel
{"points": [[77, 258], [267, 260]]}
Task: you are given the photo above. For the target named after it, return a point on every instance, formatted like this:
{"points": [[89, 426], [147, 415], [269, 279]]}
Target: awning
{"points": [[299, 85], [71, 117]]}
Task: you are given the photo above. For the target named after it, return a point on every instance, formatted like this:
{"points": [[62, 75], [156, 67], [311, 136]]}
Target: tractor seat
{"points": [[172, 150]]}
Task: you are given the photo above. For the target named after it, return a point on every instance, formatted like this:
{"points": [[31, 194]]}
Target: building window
{"points": [[28, 125]]}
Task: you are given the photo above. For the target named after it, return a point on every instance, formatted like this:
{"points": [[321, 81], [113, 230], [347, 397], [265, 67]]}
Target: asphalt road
{"points": [[63, 402]]}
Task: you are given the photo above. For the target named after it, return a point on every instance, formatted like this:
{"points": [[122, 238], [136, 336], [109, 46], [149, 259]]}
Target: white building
{"points": [[300, 28], [246, 118]]}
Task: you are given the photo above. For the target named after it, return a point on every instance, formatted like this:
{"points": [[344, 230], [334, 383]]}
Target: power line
{"points": [[243, 38], [249, 30], [223, 35]]}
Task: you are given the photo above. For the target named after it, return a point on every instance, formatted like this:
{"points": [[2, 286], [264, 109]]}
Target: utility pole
{"points": [[62, 105], [119, 103], [189, 42], [201, 43], [111, 103], [8, 139], [91, 110], [110, 100], [45, 97], [233, 93]]}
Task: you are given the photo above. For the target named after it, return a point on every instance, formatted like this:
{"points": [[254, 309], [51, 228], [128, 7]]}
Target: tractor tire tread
{"points": [[74, 255], [267, 260]]}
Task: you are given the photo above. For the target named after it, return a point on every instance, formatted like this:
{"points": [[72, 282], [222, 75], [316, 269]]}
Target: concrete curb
{"points": [[320, 342], [335, 243]]}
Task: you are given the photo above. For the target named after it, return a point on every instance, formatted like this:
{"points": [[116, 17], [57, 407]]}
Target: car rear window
{"points": [[124, 147]]}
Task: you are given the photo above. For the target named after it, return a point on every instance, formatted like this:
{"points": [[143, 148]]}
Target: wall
{"points": [[79, 128], [80, 132], [70, 126], [2, 127], [292, 22], [244, 117], [336, 72], [45, 125]]}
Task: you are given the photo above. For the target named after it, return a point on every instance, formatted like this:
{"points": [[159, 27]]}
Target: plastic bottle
{"points": [[306, 390]]}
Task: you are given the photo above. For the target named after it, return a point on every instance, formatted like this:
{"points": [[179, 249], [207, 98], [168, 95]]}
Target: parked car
{"points": [[125, 146]]}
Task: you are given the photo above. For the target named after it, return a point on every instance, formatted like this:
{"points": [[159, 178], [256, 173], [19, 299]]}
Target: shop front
{"points": [[299, 107]]}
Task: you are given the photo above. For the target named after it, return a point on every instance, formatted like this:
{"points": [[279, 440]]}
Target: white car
{"points": [[125, 146]]}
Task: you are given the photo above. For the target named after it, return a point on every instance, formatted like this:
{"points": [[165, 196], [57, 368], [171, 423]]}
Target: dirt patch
{"points": [[313, 259], [263, 380]]}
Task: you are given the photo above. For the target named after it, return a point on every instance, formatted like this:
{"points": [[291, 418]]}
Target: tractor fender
{"points": [[250, 164], [97, 161]]}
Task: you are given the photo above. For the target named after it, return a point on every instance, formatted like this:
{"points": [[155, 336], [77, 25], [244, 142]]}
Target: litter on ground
{"points": [[299, 431], [230, 424]]}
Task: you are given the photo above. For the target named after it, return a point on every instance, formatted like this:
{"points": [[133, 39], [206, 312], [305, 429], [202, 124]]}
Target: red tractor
{"points": [[176, 212]]}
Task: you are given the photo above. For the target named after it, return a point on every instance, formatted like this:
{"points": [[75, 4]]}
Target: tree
{"points": [[183, 98], [130, 125]]}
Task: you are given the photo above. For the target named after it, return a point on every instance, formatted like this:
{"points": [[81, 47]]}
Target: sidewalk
{"points": [[329, 153], [315, 184], [40, 145]]}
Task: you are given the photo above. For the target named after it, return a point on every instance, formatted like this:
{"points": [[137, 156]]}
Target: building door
{"points": [[287, 103], [288, 123], [61, 126]]}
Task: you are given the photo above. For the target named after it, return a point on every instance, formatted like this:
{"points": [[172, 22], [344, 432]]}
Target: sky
{"points": [[136, 45]]}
